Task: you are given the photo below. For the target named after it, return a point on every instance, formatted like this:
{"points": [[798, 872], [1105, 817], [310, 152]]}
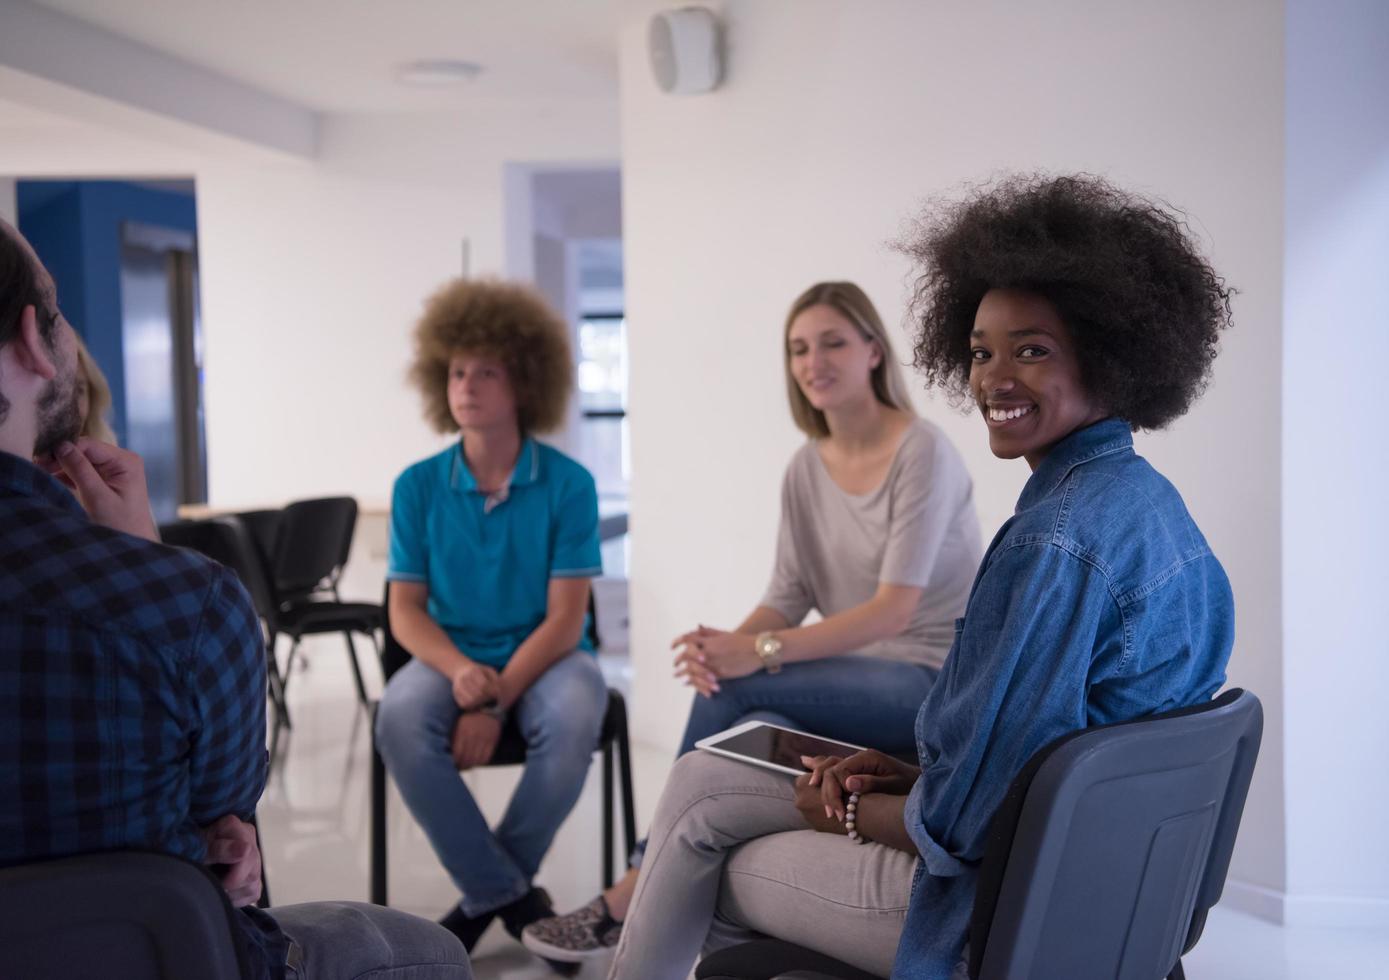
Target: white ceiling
{"points": [[340, 55]]}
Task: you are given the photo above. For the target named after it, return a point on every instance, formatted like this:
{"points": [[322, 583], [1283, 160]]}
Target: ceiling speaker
{"points": [[684, 46]]}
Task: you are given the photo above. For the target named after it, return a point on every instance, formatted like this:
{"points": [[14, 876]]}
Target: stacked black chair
{"points": [[227, 541], [124, 915], [311, 541], [1103, 860], [511, 751]]}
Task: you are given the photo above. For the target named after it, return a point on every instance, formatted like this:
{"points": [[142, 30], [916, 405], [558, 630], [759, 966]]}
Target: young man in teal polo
{"points": [[493, 544]]}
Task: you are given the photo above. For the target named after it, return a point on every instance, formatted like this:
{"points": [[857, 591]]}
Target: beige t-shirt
{"points": [[918, 528]]}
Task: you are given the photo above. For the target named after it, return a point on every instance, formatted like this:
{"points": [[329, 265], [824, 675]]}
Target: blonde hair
{"points": [[853, 304], [96, 425], [505, 320]]}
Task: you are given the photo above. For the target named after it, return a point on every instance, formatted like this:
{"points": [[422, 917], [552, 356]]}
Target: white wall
{"points": [[834, 123], [314, 275], [1335, 464]]}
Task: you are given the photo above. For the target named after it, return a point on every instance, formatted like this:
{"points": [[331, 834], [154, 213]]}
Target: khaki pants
{"points": [[730, 858]]}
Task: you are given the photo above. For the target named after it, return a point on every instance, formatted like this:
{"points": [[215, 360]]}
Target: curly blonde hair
{"points": [[505, 320]]}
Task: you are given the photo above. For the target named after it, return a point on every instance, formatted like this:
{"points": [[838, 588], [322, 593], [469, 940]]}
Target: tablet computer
{"points": [[772, 746]]}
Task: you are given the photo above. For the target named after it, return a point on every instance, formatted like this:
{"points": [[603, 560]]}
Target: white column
{"points": [[1335, 462]]}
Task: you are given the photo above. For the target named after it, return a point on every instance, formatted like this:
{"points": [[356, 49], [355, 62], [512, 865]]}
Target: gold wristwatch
{"points": [[768, 647]]}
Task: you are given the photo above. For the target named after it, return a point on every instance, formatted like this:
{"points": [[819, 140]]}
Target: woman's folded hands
{"points": [[822, 793]]}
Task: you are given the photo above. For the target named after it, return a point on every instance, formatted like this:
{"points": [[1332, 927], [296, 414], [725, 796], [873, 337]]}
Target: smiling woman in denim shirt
{"points": [[1068, 314]]}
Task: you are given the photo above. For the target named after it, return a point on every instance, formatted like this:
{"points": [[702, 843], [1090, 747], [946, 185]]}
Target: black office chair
{"points": [[311, 545], [124, 915], [228, 541], [1102, 861], [511, 751]]}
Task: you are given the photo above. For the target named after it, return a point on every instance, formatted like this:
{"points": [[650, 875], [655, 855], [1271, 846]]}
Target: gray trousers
{"points": [[730, 858]]}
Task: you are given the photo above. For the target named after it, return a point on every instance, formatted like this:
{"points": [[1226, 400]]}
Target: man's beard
{"points": [[60, 419]]}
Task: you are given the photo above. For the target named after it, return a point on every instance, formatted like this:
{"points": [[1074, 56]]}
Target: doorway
{"points": [[564, 235], [161, 338]]}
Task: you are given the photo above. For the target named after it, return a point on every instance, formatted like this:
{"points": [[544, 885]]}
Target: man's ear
{"points": [[29, 350]]}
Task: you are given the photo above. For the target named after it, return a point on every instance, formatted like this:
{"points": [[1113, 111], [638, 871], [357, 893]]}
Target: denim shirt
{"points": [[1098, 601]]}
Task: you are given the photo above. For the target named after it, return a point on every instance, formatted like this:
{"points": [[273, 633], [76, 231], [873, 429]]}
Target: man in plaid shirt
{"points": [[132, 675]]}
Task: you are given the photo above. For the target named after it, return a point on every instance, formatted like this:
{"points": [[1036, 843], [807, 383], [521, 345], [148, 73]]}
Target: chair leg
{"points": [[289, 664], [608, 828], [378, 820], [277, 685], [264, 901], [273, 749], [1177, 972], [356, 669], [629, 802]]}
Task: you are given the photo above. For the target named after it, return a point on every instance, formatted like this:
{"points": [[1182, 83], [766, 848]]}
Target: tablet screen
{"points": [[777, 746]]}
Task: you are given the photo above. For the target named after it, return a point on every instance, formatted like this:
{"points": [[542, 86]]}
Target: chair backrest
{"points": [[226, 540], [120, 916], [393, 655], [264, 527], [1112, 844], [312, 547]]}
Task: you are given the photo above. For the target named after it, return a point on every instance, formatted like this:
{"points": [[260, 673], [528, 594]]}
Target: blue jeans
{"points": [[345, 940], [869, 701], [560, 716]]}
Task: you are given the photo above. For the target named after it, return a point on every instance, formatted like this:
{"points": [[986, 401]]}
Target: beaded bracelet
{"points": [[851, 820]]}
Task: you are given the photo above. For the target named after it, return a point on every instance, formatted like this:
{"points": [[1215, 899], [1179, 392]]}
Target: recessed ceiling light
{"points": [[439, 71]]}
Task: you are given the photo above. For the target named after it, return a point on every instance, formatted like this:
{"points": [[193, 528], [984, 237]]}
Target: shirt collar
{"points": [[526, 470], [20, 476], [1081, 446]]}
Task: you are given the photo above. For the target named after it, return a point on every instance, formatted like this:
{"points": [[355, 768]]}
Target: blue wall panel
{"points": [[75, 227]]}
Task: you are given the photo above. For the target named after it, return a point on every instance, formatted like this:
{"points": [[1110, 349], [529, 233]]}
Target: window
{"points": [[603, 366]]}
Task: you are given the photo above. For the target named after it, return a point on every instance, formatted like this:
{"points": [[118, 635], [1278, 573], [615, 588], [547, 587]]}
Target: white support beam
{"points": [[39, 45]]}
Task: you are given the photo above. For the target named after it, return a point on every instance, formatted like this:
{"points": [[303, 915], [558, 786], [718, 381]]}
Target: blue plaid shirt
{"points": [[132, 692]]}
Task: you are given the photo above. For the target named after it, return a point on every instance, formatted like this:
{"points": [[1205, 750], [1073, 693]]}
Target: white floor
{"points": [[314, 825]]}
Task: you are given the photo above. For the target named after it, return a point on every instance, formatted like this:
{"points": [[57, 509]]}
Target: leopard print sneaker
{"points": [[580, 935]]}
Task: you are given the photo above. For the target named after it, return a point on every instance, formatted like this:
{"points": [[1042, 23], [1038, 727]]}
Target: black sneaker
{"points": [[468, 929], [530, 907], [582, 934]]}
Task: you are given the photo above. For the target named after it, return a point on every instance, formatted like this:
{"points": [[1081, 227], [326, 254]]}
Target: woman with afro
{"points": [[1067, 314], [493, 543]]}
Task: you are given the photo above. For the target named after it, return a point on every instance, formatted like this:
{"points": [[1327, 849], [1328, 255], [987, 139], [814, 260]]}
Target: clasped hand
{"points": [[705, 656], [821, 793], [231, 842], [475, 737], [475, 684]]}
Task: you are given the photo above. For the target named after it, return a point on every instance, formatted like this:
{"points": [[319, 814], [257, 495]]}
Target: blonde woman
{"points": [[93, 397], [878, 534]]}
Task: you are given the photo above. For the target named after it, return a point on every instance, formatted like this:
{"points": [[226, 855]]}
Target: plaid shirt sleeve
{"points": [[226, 680]]}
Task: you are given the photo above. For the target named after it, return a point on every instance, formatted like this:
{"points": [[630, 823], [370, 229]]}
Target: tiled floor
{"points": [[314, 820]]}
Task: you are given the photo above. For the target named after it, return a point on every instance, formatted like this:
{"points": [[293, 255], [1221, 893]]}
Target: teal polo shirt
{"points": [[488, 561]]}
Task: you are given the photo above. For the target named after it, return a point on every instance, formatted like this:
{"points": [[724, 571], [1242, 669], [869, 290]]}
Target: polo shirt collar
{"points": [[526, 470], [1100, 439], [20, 476]]}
